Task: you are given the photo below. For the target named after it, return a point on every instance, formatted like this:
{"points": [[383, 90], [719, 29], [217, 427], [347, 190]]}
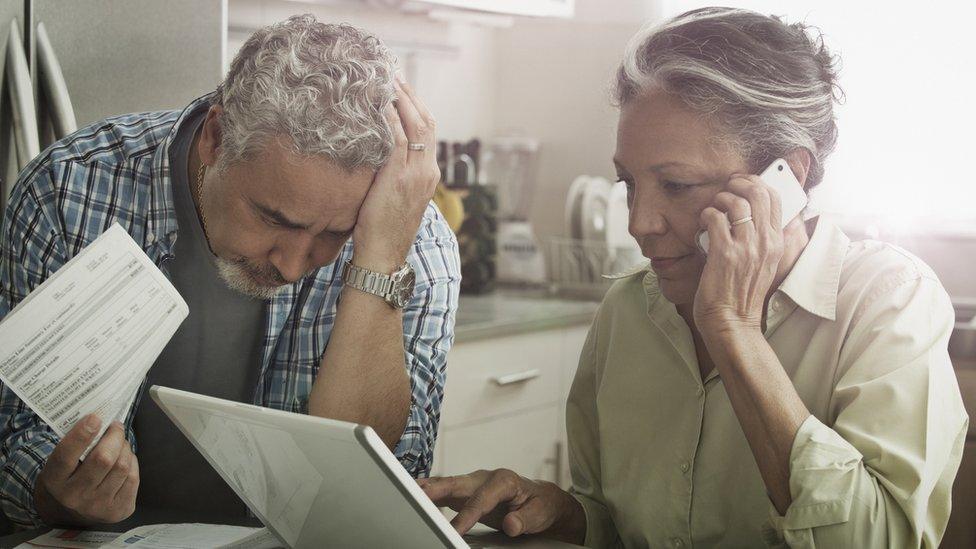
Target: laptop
{"points": [[317, 482]]}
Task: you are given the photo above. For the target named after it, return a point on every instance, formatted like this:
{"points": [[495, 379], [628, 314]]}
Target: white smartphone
{"points": [[793, 199]]}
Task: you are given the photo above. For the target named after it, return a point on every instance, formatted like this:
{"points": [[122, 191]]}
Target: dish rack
{"points": [[576, 267]]}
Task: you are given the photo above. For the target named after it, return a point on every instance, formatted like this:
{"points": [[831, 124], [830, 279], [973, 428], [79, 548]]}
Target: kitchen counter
{"points": [[510, 312]]}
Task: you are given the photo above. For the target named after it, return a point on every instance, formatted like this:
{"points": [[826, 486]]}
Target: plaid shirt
{"points": [[117, 170]]}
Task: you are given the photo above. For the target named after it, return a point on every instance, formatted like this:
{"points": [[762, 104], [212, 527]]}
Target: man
{"points": [[247, 200]]}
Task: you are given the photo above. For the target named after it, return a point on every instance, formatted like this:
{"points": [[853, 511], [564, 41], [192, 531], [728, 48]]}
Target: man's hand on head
{"points": [[391, 214]]}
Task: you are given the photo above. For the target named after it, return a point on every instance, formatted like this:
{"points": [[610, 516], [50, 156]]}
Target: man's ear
{"points": [[210, 132], [799, 161]]}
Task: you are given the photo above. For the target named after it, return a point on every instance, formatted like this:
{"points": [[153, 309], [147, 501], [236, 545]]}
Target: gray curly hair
{"points": [[325, 87], [770, 86]]}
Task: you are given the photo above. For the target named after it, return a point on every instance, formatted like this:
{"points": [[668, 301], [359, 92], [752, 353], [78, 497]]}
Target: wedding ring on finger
{"points": [[745, 219], [416, 146]]}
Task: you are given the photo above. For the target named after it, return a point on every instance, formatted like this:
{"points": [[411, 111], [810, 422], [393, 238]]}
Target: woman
{"points": [[791, 387]]}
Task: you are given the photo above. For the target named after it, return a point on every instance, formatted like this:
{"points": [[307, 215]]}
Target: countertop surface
{"points": [[509, 312]]}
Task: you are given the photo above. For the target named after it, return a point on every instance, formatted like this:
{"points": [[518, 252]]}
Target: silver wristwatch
{"points": [[396, 288]]}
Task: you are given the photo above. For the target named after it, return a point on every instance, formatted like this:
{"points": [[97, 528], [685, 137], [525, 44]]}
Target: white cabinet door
{"points": [[501, 376], [526, 443], [573, 340]]}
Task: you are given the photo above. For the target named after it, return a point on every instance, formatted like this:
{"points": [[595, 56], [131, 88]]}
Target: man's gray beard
{"points": [[240, 280]]}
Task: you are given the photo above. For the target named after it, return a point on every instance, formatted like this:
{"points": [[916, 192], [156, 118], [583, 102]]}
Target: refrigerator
{"points": [[69, 63]]}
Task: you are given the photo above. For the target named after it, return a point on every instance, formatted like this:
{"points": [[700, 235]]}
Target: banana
{"points": [[449, 203]]}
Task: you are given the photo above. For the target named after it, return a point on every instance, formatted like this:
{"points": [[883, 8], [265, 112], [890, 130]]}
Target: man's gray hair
{"points": [[769, 86], [324, 87]]}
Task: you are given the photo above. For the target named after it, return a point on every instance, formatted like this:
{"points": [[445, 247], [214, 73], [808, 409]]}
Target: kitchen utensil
{"points": [[573, 202]]}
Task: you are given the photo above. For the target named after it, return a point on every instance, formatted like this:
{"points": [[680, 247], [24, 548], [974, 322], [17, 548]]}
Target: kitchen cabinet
{"points": [[505, 397], [538, 8]]}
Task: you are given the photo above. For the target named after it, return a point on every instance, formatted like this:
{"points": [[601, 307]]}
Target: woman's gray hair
{"points": [[770, 86], [325, 87]]}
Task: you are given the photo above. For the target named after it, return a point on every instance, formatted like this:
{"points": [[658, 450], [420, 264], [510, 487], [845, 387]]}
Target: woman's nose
{"points": [[646, 217]]}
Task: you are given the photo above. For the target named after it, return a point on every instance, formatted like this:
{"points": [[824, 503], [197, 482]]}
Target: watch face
{"points": [[403, 283]]}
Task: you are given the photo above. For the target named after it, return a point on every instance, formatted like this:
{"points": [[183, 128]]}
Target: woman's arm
{"points": [[880, 474], [764, 400]]}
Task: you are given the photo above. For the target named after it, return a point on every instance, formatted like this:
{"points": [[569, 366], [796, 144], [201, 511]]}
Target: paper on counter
{"points": [[71, 539], [196, 536], [160, 536], [83, 341]]}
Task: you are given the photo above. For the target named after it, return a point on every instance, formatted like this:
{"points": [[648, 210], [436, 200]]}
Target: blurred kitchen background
{"points": [[520, 90]]}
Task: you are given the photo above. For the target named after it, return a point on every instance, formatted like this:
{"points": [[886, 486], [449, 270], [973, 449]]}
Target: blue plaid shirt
{"points": [[117, 171]]}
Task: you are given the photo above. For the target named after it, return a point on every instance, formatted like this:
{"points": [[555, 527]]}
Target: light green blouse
{"points": [[657, 454]]}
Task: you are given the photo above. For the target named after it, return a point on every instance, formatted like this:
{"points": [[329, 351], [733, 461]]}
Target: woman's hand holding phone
{"points": [[745, 242]]}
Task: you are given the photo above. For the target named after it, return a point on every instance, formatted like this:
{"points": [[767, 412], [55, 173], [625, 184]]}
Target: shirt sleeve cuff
{"points": [[822, 470], [600, 531], [17, 488]]}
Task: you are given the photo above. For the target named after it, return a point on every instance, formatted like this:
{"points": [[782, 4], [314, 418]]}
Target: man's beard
{"points": [[243, 277]]}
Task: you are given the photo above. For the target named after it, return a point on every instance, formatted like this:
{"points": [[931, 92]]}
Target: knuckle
{"points": [[121, 467], [712, 215], [740, 202], [475, 503], [101, 460], [508, 479]]}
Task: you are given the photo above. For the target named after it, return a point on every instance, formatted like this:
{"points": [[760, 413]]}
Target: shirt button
{"points": [[701, 391], [677, 542], [684, 467]]}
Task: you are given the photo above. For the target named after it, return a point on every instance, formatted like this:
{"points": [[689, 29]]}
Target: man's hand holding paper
{"points": [[100, 489], [76, 351]]}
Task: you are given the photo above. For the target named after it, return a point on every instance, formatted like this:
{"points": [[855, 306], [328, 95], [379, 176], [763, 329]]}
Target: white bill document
{"points": [[196, 536], [83, 341], [160, 536]]}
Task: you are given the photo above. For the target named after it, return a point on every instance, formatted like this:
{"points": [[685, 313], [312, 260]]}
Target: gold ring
{"points": [[745, 219]]}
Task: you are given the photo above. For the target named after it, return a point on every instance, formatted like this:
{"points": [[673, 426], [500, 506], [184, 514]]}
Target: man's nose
{"points": [[292, 256]]}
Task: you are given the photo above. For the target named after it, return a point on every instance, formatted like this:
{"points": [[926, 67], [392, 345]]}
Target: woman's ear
{"points": [[799, 161], [210, 131]]}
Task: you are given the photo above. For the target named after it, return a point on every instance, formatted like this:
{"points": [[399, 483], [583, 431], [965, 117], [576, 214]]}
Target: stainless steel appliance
{"points": [[66, 64], [512, 164]]}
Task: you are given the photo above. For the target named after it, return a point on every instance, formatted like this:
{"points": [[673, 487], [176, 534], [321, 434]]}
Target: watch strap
{"points": [[367, 281]]}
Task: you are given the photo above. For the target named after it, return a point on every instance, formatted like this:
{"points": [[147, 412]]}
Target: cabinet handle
{"points": [[520, 377], [557, 464]]}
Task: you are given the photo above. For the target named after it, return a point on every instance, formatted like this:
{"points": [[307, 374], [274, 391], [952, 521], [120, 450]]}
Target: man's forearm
{"points": [[362, 377]]}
